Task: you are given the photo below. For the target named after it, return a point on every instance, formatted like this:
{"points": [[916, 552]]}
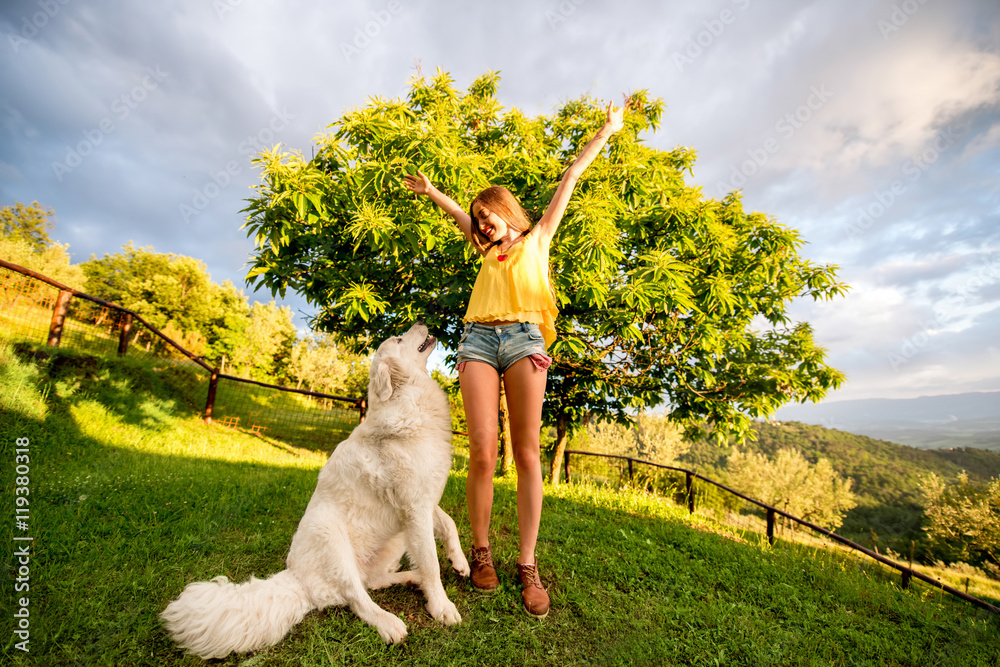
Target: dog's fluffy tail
{"points": [[212, 619]]}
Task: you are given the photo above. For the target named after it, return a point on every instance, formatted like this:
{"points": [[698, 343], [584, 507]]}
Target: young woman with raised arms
{"points": [[509, 324]]}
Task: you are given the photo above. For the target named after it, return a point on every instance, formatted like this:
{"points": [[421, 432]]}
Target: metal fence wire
{"points": [[44, 314]]}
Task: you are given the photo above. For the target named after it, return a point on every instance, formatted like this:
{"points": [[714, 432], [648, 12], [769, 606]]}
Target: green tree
{"points": [[175, 294], [664, 295], [790, 483], [30, 224], [324, 366], [53, 260], [227, 323], [266, 350], [652, 438], [963, 518]]}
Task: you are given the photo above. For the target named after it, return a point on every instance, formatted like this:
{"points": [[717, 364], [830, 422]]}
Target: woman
{"points": [[508, 326]]}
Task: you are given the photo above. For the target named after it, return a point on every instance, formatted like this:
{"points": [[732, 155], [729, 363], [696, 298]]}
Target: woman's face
{"points": [[490, 224]]}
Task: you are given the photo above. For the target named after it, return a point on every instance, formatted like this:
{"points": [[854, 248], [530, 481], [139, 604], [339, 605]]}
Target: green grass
{"points": [[296, 418], [133, 496]]}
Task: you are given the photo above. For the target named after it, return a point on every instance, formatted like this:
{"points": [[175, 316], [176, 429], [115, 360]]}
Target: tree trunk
{"points": [[506, 445], [562, 435]]}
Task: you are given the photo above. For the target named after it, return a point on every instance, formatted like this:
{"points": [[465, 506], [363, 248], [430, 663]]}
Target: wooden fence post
{"points": [[213, 384], [59, 317], [770, 526], [630, 471], [566, 465], [124, 334], [689, 484]]}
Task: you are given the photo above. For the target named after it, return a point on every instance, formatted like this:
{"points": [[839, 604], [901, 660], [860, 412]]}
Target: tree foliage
{"points": [[30, 224], [171, 292], [53, 260], [266, 349], [814, 492], [25, 241], [652, 438], [664, 294], [963, 518], [323, 365]]}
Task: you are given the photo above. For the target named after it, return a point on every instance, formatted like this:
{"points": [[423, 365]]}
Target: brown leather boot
{"points": [[483, 575], [536, 600]]}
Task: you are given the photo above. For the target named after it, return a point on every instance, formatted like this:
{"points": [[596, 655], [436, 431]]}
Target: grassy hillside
{"points": [[132, 497], [886, 475]]}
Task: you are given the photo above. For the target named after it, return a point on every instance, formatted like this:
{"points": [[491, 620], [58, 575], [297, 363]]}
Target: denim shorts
{"points": [[502, 345]]}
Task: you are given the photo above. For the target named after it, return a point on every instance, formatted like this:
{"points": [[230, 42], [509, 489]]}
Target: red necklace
{"points": [[502, 257]]}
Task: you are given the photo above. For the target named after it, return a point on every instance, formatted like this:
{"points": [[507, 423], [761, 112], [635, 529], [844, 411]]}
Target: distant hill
{"points": [[928, 422], [886, 474], [883, 472]]}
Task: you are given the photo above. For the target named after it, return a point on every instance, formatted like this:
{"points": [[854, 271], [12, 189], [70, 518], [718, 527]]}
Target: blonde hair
{"points": [[499, 200]]}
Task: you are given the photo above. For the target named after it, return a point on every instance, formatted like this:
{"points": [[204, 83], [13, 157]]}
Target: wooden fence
{"points": [[289, 414], [690, 476]]}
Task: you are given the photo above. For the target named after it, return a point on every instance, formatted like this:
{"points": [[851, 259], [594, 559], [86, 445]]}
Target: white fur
{"points": [[376, 499]]}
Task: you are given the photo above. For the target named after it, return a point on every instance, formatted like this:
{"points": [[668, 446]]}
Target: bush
{"points": [[963, 518], [790, 483]]}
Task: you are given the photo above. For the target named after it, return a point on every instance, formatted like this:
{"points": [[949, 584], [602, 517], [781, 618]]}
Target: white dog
{"points": [[376, 499]]}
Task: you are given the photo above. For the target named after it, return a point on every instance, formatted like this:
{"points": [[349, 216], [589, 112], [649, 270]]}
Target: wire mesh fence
{"points": [[951, 588], [304, 418], [42, 314]]}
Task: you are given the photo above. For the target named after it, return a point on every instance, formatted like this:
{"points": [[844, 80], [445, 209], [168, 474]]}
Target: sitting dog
{"points": [[376, 499]]}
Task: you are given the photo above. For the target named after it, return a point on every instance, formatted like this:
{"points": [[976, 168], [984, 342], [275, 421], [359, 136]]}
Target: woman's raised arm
{"points": [[419, 184], [547, 226]]}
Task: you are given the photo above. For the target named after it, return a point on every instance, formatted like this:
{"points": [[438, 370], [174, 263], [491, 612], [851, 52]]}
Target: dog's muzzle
{"points": [[427, 343]]}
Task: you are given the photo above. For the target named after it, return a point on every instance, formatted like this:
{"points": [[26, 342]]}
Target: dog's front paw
{"points": [[391, 629], [460, 563], [445, 613]]}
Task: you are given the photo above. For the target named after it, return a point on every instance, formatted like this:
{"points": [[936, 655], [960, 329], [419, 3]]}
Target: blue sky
{"points": [[872, 127]]}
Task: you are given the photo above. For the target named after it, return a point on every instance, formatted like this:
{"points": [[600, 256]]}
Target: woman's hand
{"points": [[616, 118], [418, 183]]}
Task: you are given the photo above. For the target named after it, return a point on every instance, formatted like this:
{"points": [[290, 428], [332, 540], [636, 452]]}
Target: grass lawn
{"points": [[133, 496]]}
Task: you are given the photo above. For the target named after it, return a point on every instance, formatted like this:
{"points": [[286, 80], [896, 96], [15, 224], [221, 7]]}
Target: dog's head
{"points": [[398, 360]]}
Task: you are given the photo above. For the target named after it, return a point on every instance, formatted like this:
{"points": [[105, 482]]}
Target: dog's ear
{"points": [[387, 377], [381, 383]]}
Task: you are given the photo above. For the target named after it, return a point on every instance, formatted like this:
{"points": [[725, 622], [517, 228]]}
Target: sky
{"points": [[872, 127]]}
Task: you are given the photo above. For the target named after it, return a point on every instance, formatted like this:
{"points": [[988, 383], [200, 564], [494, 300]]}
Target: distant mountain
{"points": [[928, 422]]}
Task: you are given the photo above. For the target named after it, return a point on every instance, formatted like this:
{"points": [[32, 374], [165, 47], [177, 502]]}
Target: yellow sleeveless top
{"points": [[516, 289]]}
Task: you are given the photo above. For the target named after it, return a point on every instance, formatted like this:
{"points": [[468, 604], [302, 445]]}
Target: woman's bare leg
{"points": [[480, 384], [524, 385]]}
